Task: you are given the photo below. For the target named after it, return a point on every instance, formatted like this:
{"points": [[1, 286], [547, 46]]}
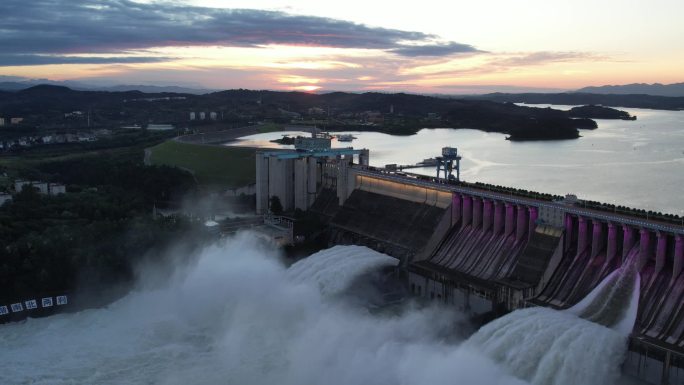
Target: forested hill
{"points": [[49, 107]]}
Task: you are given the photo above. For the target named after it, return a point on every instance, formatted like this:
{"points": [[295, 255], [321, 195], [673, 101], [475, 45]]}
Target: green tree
{"points": [[275, 205]]}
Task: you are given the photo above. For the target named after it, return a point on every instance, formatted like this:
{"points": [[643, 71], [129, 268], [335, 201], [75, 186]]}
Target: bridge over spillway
{"points": [[487, 251]]}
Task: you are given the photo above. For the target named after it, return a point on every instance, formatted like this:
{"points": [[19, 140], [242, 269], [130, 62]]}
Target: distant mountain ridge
{"points": [[74, 85], [656, 89]]}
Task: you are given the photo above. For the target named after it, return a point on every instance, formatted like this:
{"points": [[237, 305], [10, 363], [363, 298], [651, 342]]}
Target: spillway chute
{"points": [[584, 344], [614, 302]]}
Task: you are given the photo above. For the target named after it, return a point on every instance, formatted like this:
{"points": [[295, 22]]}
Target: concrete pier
{"points": [[498, 218], [510, 218], [467, 214], [661, 250], [487, 214], [456, 202], [569, 230], [628, 240], [678, 262], [477, 212], [522, 223], [644, 247], [611, 248], [582, 236], [534, 214], [597, 239]]}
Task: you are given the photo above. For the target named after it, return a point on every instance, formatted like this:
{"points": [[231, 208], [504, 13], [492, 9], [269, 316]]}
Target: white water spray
{"points": [[585, 344], [334, 269], [239, 316]]}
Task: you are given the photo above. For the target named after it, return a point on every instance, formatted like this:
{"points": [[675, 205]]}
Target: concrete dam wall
{"points": [[485, 252], [488, 251], [363, 219]]}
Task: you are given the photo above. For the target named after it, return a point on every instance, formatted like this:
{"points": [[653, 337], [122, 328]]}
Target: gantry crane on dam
{"points": [[449, 162]]}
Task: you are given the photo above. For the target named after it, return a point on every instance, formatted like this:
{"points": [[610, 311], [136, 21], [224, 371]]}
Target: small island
{"points": [[599, 112]]}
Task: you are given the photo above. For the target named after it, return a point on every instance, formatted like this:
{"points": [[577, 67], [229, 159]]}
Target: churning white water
{"points": [[335, 269], [585, 344], [237, 315]]}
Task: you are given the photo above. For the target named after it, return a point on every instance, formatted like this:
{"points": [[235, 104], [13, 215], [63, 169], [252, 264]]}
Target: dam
{"points": [[488, 250]]}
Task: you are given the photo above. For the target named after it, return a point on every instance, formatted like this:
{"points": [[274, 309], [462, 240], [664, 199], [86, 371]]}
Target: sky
{"points": [[430, 46]]}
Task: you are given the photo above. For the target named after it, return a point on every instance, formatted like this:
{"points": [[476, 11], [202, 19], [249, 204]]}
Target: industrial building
{"points": [[296, 176]]}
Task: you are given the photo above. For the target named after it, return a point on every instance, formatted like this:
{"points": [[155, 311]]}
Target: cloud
{"points": [[435, 49], [30, 59], [488, 88], [54, 27], [544, 57]]}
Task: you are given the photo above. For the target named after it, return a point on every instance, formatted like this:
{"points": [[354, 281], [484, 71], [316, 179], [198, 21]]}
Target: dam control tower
{"points": [[297, 176]]}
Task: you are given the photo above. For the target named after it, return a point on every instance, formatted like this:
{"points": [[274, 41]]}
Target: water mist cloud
{"points": [[237, 315]]}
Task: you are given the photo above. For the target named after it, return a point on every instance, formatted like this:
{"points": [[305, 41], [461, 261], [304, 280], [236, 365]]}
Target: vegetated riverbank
{"points": [[87, 241]]}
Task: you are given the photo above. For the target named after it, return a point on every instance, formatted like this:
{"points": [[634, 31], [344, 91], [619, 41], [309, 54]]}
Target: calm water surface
{"points": [[634, 163]]}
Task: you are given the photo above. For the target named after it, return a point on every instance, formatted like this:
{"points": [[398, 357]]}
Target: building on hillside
{"points": [[56, 189], [193, 116], [202, 115], [16, 120], [4, 197], [20, 183], [42, 187], [213, 115]]}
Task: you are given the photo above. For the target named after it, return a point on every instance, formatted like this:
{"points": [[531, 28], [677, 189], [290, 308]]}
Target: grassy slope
{"points": [[269, 127], [212, 165]]}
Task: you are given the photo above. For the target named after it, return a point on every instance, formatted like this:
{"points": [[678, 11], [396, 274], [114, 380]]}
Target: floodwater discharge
{"points": [[239, 315]]}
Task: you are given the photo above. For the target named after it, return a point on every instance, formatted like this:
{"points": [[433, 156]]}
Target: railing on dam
{"points": [[580, 211]]}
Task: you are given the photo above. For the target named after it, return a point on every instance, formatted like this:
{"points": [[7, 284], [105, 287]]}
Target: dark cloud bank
{"points": [[40, 31]]}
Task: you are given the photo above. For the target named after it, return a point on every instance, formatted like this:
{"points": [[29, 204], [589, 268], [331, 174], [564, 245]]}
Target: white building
{"points": [[193, 116], [19, 184], [212, 115], [4, 197], [2, 121], [202, 115], [56, 189], [42, 187]]}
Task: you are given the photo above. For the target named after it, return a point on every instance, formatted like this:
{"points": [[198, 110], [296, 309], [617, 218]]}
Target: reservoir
{"points": [[630, 163]]}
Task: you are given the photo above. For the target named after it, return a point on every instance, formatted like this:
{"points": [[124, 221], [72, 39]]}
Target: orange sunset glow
{"points": [[310, 47]]}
